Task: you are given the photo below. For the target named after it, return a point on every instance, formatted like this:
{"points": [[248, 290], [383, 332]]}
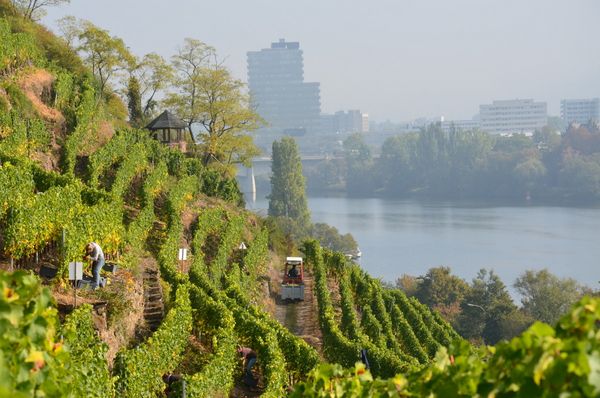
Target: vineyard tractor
{"points": [[292, 285]]}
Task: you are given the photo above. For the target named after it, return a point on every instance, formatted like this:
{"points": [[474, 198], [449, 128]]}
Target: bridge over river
{"points": [[246, 176]]}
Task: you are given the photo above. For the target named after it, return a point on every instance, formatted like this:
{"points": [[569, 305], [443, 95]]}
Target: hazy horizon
{"points": [[395, 60]]}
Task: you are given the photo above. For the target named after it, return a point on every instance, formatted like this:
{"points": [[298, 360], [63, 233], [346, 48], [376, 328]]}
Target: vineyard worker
{"points": [[293, 272], [249, 356], [170, 379], [95, 254]]}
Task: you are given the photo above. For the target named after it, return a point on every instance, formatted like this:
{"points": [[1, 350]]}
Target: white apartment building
{"points": [[580, 110], [513, 116]]}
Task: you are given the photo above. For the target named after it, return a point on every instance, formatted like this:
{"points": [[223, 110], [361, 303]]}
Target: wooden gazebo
{"points": [[170, 130]]}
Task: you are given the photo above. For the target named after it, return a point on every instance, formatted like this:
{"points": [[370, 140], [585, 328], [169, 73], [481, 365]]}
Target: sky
{"points": [[393, 59]]}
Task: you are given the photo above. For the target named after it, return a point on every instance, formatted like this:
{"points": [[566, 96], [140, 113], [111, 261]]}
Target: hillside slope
{"points": [[72, 172]]}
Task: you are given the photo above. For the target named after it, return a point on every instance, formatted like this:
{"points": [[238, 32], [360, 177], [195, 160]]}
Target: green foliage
{"points": [[440, 287], [88, 367], [229, 240], [288, 197], [485, 305], [402, 307], [35, 10], [106, 55], [217, 377], [86, 117], [115, 150], [41, 218], [139, 370], [135, 162], [280, 352], [17, 185], [214, 183], [545, 296], [333, 381], [206, 94], [178, 197], [134, 102], [337, 347], [30, 351], [138, 230], [17, 50], [299, 356], [543, 362], [21, 137], [330, 238], [359, 164], [472, 164]]}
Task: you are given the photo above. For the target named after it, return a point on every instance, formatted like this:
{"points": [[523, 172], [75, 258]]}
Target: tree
{"points": [[514, 323], [226, 118], [408, 284], [106, 55], [288, 196], [331, 238], [188, 65], [34, 9], [359, 165], [545, 296], [484, 307], [134, 102], [154, 75], [442, 291], [209, 96], [530, 173]]}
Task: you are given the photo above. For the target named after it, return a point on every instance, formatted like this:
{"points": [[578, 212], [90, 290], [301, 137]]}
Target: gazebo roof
{"points": [[166, 120]]}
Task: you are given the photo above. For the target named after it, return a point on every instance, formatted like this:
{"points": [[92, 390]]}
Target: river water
{"points": [[408, 237]]}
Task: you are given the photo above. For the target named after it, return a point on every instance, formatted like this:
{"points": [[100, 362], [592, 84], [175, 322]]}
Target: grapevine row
{"points": [[139, 369], [140, 227], [337, 347], [288, 354], [88, 367]]}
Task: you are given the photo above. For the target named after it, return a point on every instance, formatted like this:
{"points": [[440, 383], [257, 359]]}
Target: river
{"points": [[408, 237]]}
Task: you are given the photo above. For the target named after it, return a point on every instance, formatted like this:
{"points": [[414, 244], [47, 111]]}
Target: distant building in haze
{"points": [[352, 121], [463, 125], [281, 97], [513, 116], [580, 110]]}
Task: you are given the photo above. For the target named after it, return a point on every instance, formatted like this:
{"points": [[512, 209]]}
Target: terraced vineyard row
{"points": [[386, 323]]}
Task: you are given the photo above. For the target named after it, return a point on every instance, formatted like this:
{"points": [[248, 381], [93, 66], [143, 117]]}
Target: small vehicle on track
{"points": [[292, 285]]}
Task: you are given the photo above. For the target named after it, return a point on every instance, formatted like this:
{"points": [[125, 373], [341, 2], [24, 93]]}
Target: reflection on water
{"points": [[403, 236]]}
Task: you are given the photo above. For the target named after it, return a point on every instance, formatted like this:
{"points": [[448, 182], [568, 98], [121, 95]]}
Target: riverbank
{"points": [[408, 236]]}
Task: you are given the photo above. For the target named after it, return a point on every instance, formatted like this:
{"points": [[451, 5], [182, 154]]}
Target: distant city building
{"points": [[276, 83], [580, 110], [464, 125], [365, 123], [424, 122], [352, 121], [513, 116]]}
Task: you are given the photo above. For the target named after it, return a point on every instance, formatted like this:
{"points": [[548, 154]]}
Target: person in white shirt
{"points": [[95, 254]]}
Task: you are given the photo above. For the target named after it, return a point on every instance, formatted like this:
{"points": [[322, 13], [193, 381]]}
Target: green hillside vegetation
{"points": [[73, 170], [543, 362]]}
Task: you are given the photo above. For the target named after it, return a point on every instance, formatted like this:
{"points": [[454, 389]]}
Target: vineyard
{"points": [[68, 179]]}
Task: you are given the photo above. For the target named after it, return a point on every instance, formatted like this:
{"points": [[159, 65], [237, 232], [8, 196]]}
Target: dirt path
{"points": [[301, 317]]}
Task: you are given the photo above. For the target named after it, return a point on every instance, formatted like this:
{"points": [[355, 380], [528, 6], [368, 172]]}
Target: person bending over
{"points": [[94, 253]]}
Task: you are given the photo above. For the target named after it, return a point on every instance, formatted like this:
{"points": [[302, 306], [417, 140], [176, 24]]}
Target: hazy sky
{"points": [[395, 59]]}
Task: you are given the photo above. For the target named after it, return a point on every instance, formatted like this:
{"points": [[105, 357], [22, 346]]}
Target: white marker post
{"points": [[182, 256], [75, 275]]}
